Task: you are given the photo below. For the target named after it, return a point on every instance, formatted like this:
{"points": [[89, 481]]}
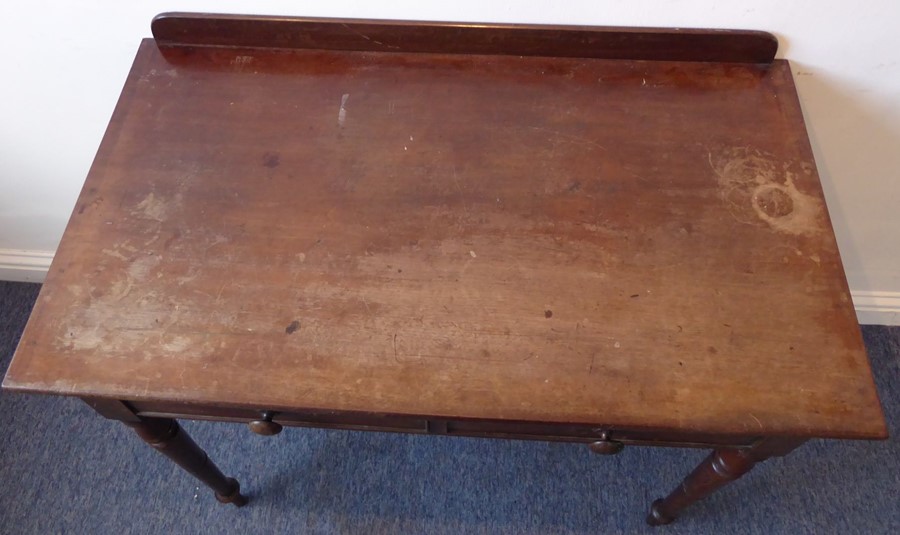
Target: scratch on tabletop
{"points": [[342, 111], [568, 137], [756, 419], [367, 38]]}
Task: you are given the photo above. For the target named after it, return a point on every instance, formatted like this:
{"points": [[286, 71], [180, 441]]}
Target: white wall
{"points": [[65, 62]]}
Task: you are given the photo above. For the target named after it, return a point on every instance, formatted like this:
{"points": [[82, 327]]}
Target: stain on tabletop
{"points": [[271, 160], [774, 202], [84, 206], [293, 327], [755, 186], [152, 207]]}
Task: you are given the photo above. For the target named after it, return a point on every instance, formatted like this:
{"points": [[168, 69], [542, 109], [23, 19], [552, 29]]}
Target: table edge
{"points": [[877, 432]]}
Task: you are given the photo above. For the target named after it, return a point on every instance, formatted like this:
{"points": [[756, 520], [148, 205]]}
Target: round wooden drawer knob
{"points": [[604, 446], [265, 425]]}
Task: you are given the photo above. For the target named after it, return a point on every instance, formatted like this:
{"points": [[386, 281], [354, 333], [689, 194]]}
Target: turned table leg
{"points": [[721, 467], [168, 438]]}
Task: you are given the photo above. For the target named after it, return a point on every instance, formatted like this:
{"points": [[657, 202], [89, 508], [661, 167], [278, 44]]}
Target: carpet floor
{"points": [[64, 469]]}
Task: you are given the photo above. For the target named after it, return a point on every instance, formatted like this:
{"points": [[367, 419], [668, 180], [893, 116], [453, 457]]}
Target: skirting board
{"points": [[24, 266], [877, 308], [872, 308]]}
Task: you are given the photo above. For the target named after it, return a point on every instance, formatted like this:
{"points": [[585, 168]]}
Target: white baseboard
{"points": [[24, 266], [877, 308], [872, 308]]}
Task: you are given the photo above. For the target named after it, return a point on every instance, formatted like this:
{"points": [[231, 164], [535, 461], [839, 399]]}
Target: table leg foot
{"points": [[166, 436], [721, 467], [235, 496], [656, 516]]}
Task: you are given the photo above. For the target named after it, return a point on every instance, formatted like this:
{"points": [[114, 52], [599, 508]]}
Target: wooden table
{"points": [[602, 235]]}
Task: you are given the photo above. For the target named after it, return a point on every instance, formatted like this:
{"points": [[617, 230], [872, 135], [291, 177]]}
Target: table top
{"points": [[505, 236]]}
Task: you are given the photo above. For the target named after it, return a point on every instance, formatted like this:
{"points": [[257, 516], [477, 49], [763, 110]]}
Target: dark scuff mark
{"points": [[271, 160], [548, 313], [84, 206], [293, 327]]}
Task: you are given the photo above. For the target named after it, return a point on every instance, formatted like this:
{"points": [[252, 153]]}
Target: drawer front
{"points": [[442, 426]]}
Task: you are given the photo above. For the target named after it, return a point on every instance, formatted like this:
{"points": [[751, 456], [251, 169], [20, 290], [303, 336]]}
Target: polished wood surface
{"points": [[719, 469], [673, 44], [634, 244], [167, 437]]}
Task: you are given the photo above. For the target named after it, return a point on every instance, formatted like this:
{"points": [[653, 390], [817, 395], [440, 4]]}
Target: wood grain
{"points": [[672, 44], [564, 240]]}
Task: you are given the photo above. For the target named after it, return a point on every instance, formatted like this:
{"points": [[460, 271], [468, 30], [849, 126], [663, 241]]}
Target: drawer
{"points": [[365, 421]]}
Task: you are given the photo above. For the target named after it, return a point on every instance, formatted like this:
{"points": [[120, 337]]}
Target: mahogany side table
{"points": [[612, 236]]}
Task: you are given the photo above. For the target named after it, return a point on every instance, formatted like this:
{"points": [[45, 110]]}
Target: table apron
{"points": [[361, 421]]}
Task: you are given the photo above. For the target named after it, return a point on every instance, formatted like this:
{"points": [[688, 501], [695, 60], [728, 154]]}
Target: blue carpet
{"points": [[64, 469]]}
